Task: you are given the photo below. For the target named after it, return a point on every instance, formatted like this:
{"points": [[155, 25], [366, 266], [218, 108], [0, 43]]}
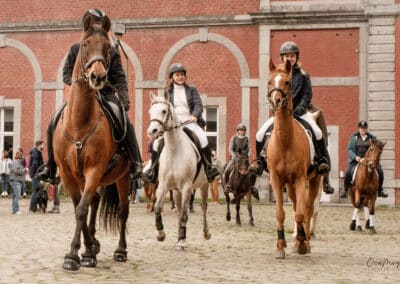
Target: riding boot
{"points": [[261, 161], [48, 171], [151, 175], [132, 147], [322, 157], [347, 182], [328, 189], [211, 170], [227, 172], [381, 192]]}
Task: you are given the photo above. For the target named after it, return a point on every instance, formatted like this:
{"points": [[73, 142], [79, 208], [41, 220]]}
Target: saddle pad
{"points": [[310, 143]]}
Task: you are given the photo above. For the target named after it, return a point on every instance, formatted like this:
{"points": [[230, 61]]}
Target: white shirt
{"points": [[5, 166], [180, 103]]}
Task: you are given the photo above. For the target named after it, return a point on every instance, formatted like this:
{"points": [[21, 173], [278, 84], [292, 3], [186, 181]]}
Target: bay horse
{"points": [[241, 177], [289, 158], [83, 148], [179, 168], [363, 191]]}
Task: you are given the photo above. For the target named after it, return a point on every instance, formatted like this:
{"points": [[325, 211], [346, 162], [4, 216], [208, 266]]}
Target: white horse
{"points": [[179, 167]]}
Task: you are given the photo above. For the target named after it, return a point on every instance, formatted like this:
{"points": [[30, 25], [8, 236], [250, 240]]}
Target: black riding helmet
{"points": [[176, 67], [363, 124], [289, 47], [94, 16], [241, 126]]}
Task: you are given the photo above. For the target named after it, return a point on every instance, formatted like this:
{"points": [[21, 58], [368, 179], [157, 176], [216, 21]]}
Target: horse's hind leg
{"points": [[204, 205], [371, 218], [280, 216], [228, 209], [120, 254], [238, 222], [250, 209]]}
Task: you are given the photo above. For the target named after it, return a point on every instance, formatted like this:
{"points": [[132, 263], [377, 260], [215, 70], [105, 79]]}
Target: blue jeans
{"points": [[16, 187], [23, 187], [35, 188], [4, 179]]}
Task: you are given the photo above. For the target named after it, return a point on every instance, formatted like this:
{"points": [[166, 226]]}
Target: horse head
{"points": [[243, 165], [279, 86], [93, 58], [373, 154], [162, 116]]}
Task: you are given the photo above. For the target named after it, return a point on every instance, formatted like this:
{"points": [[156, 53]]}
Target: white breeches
{"points": [[199, 132]]}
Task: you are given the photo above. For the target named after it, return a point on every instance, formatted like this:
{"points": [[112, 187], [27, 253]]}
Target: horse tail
{"points": [[109, 205]]}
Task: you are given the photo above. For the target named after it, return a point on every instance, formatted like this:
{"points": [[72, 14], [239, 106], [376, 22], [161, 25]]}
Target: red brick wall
{"points": [[329, 53], [60, 10]]}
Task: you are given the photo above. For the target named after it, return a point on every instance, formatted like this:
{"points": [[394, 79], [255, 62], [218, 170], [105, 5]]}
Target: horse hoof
{"points": [[207, 235], [161, 236], [312, 236], [251, 223], [71, 262], [120, 255], [359, 229], [88, 261], [367, 226], [228, 218], [280, 254], [303, 249], [372, 230], [238, 224], [180, 245], [353, 225]]}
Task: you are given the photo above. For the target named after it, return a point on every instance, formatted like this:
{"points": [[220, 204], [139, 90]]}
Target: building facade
{"points": [[349, 47]]}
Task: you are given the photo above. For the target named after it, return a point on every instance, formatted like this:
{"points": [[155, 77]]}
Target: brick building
{"points": [[349, 47]]}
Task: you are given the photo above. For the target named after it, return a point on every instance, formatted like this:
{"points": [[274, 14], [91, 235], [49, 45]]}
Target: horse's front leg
{"points": [[228, 209], [120, 254], [160, 195], [238, 222], [277, 187], [371, 217], [357, 204], [250, 209], [91, 243], [183, 216], [204, 205], [301, 204]]}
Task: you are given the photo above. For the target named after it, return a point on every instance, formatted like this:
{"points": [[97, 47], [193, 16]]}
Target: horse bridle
{"points": [[366, 164], [284, 101]]}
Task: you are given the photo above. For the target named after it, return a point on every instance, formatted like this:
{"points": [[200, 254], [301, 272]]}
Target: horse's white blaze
{"points": [[277, 79]]}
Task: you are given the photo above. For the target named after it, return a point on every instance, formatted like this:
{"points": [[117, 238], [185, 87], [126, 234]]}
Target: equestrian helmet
{"points": [[362, 124], [176, 67], [241, 126], [289, 47], [96, 15]]}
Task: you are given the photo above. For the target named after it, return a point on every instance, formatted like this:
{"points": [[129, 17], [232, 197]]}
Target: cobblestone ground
{"points": [[33, 246]]}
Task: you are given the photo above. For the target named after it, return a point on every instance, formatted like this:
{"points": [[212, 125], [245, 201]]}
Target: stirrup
{"points": [[43, 173], [323, 168], [211, 173]]}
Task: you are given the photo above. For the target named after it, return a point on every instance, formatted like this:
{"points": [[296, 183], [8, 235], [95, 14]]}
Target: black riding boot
{"points": [[261, 161], [328, 189], [47, 172], [346, 183], [381, 192], [151, 175], [211, 170], [132, 147], [322, 157]]}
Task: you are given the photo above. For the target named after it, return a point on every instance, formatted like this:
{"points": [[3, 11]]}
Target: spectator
{"points": [[17, 177], [215, 183], [5, 172], [35, 161], [25, 164]]}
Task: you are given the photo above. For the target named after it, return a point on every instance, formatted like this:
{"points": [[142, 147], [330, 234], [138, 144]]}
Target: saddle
{"points": [[197, 147]]}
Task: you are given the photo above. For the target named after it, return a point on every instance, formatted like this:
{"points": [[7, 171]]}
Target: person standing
{"points": [[35, 161], [358, 145], [25, 164], [17, 177], [5, 172], [215, 183]]}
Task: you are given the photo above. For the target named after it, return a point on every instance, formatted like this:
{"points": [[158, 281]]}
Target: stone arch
{"points": [[37, 72]]}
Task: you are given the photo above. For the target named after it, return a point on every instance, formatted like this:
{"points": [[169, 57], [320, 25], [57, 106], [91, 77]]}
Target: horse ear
{"points": [[152, 96], [288, 66], [271, 65]]}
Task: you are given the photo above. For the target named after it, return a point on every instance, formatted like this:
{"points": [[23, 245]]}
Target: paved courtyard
{"points": [[33, 246]]}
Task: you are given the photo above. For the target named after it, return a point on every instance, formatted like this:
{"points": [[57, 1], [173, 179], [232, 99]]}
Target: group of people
{"points": [[188, 107]]}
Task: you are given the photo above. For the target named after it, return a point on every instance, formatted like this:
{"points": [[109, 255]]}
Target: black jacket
{"points": [[35, 161], [193, 100], [115, 75], [301, 88]]}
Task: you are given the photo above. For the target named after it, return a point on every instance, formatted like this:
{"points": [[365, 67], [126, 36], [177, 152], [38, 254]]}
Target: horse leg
{"points": [[366, 215], [250, 209], [92, 246], [183, 217], [192, 201], [371, 218], [277, 186], [311, 194], [120, 254], [171, 198], [228, 209], [238, 222], [177, 196], [204, 205], [160, 195], [301, 205]]}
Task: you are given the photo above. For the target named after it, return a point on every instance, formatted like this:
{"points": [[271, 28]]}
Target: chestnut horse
{"points": [[242, 177], [83, 148], [289, 158], [179, 170], [363, 191]]}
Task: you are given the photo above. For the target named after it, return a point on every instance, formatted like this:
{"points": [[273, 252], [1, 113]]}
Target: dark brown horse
{"points": [[241, 177], [288, 159], [363, 191], [83, 149]]}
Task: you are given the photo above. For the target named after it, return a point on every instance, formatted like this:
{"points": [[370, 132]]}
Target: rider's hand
{"points": [[126, 104], [358, 158], [299, 110], [193, 119]]}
